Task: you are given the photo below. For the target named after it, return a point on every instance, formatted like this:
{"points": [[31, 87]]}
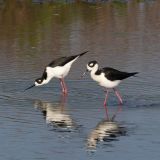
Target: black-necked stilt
{"points": [[58, 68], [108, 78]]}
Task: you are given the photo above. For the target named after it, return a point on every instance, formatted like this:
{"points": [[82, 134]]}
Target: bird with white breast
{"points": [[107, 77], [59, 68]]}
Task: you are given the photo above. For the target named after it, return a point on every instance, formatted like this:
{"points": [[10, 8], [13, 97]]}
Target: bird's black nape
{"points": [[30, 87]]}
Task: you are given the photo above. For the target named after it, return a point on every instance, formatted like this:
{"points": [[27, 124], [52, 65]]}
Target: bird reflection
{"points": [[56, 114], [106, 130]]}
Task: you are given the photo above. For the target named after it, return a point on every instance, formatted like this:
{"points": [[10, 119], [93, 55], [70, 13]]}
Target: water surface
{"points": [[41, 123]]}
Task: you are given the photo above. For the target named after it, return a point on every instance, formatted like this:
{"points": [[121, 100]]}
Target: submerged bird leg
{"points": [[118, 96], [119, 109], [65, 87], [107, 115]]}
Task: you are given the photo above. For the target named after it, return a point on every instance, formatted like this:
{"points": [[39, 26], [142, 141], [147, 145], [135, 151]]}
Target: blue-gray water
{"points": [[42, 124]]}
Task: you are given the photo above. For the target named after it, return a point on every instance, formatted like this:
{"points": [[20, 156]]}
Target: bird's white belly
{"points": [[103, 81], [58, 72]]}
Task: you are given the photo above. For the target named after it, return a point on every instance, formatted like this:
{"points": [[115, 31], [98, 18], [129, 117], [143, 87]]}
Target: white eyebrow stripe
{"points": [[91, 64]]}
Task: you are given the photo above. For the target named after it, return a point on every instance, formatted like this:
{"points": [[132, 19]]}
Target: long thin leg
{"points": [[106, 111], [118, 96], [65, 86], [105, 104], [119, 109], [62, 103], [106, 98], [62, 85]]}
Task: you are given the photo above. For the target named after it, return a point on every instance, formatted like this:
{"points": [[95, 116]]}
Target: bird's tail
{"points": [[81, 54], [133, 74]]}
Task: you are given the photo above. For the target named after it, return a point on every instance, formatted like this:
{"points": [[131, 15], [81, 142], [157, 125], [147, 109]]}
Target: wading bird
{"points": [[108, 78], [59, 68]]}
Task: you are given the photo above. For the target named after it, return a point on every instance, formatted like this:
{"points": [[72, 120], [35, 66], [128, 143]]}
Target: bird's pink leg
{"points": [[106, 98], [107, 115], [62, 85], [65, 87], [105, 104], [118, 96], [62, 103], [119, 109]]}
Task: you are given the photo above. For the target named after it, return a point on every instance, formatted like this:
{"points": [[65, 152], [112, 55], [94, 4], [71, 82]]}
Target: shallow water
{"points": [[42, 124]]}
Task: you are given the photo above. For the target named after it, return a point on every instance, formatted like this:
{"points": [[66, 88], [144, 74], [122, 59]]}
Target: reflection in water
{"points": [[56, 115], [106, 131]]}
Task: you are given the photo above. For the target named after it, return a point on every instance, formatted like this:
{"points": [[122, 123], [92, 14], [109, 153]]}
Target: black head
{"points": [[38, 81], [92, 65]]}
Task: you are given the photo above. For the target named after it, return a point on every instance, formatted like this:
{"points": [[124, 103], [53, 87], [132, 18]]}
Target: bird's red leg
{"points": [[105, 104], [62, 85], [119, 109], [118, 96], [65, 87], [106, 98]]}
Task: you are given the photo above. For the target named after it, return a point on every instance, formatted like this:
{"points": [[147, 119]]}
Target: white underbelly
{"points": [[104, 82], [58, 72], [109, 84]]}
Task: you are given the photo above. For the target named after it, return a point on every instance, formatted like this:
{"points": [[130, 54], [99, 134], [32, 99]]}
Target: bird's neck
{"points": [[47, 75], [43, 81], [94, 70]]}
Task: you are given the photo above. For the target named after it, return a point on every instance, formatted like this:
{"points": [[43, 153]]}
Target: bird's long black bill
{"points": [[84, 74], [30, 87]]}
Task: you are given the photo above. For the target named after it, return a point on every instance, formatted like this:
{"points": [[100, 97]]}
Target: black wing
{"points": [[64, 60], [113, 74], [57, 62]]}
